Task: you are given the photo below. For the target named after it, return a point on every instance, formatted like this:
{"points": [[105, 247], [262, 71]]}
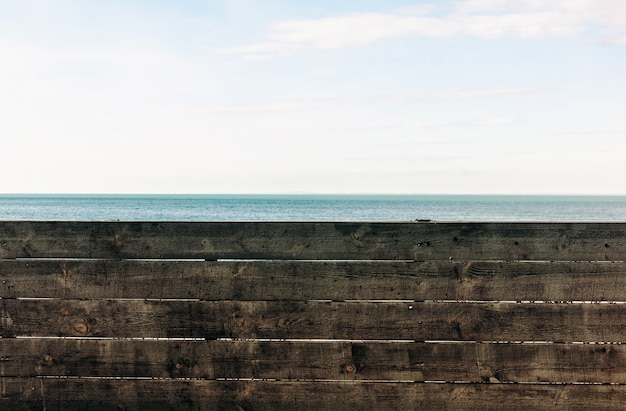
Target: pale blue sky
{"points": [[466, 96]]}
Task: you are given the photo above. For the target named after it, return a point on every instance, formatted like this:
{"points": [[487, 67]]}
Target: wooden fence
{"points": [[322, 316]]}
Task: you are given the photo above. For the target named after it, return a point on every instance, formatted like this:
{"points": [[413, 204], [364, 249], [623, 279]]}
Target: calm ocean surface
{"points": [[312, 207]]}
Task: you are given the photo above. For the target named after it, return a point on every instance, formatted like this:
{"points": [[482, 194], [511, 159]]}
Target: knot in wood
{"points": [[350, 368], [48, 358], [81, 327]]}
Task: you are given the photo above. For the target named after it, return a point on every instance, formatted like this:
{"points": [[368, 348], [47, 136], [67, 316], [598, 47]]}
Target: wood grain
{"points": [[314, 280], [114, 394], [309, 240], [414, 321], [312, 315], [310, 360]]}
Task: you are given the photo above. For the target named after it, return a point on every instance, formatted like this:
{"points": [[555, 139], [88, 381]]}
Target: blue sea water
{"points": [[312, 207]]}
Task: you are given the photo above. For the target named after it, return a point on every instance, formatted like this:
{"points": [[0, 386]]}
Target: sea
{"points": [[228, 207]]}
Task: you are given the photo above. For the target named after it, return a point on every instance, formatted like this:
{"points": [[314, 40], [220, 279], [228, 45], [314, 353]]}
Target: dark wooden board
{"points": [[354, 320], [310, 360], [101, 394], [315, 280], [113, 295], [309, 240]]}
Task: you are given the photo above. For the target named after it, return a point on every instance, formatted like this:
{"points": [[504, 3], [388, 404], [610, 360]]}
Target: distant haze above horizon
{"points": [[315, 97]]}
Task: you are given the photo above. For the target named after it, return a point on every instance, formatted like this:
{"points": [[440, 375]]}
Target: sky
{"points": [[342, 96]]}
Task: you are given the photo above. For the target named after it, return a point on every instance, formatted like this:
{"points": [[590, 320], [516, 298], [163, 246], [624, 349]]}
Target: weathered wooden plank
{"points": [[271, 303], [174, 359], [315, 280], [217, 280], [414, 321], [312, 360], [97, 394], [292, 240]]}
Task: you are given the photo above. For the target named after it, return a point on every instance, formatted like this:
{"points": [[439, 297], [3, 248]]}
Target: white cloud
{"points": [[479, 18], [398, 98], [478, 122], [417, 10]]}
